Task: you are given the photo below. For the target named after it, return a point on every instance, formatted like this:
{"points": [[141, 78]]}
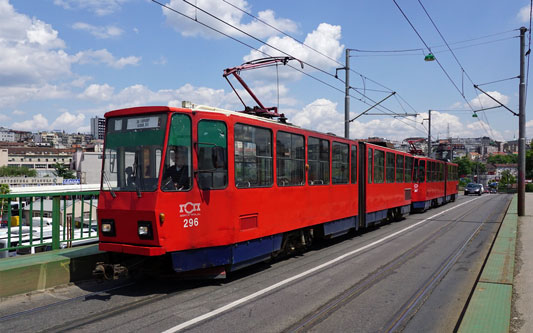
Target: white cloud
{"points": [[80, 81], [484, 101], [109, 31], [16, 94], [98, 92], [38, 122], [227, 13], [68, 121], [18, 113], [523, 14], [104, 56], [3, 117], [161, 61], [323, 115], [31, 50], [324, 39], [65, 121], [99, 7], [33, 62]]}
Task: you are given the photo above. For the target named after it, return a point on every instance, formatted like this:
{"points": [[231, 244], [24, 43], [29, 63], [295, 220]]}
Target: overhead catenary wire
{"points": [[275, 48], [461, 66], [398, 53], [266, 54], [363, 77], [437, 60]]}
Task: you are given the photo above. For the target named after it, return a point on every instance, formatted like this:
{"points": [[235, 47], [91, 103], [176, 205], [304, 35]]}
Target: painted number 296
{"points": [[189, 223]]}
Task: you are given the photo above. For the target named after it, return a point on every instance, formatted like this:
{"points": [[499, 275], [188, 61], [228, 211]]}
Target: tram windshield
{"points": [[133, 152]]}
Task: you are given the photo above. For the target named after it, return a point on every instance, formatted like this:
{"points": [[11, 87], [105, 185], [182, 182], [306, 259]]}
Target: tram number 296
{"points": [[189, 223]]}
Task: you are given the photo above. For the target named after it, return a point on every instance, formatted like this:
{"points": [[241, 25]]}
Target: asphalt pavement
{"points": [[413, 275]]}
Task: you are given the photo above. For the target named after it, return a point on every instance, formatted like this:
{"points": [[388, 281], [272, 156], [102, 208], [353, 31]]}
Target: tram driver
{"points": [[176, 175]]}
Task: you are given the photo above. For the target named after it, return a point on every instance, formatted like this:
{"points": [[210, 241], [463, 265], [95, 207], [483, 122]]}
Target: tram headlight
{"points": [[144, 230], [108, 227]]}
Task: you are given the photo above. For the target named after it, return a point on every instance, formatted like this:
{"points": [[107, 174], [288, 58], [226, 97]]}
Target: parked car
{"points": [[473, 188], [493, 190]]}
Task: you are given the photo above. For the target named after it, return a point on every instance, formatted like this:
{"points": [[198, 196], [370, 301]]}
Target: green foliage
{"points": [[503, 159], [529, 164], [507, 179], [469, 167], [13, 171], [4, 189], [63, 171], [529, 187]]}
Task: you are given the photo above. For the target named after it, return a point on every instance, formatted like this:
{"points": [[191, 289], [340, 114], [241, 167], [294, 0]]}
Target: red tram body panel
{"points": [[433, 185], [217, 188], [388, 190]]}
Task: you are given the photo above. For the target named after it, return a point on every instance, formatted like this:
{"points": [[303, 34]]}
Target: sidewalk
{"points": [[503, 296], [522, 316]]}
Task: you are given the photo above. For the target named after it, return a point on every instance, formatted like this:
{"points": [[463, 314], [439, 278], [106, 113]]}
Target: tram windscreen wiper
{"points": [[108, 183], [138, 177]]}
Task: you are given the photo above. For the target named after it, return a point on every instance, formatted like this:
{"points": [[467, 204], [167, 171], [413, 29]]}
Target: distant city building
{"points": [[40, 159], [98, 127], [6, 134], [46, 139]]}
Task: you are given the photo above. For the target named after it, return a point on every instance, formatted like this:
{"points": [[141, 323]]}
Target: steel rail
{"points": [[365, 284]]}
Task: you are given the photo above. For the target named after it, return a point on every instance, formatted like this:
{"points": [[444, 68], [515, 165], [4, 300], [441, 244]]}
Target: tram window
{"points": [[428, 172], [253, 156], [399, 168], [339, 172], [290, 159], [421, 171], [408, 169], [390, 167], [370, 166], [379, 166], [212, 155], [177, 175], [132, 154], [354, 164], [318, 158]]}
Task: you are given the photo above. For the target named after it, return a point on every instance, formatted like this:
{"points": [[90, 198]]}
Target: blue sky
{"points": [[66, 61]]}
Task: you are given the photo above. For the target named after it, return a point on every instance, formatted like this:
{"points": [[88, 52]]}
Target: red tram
{"points": [[435, 183], [216, 188]]}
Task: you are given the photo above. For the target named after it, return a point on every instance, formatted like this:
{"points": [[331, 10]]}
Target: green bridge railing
{"points": [[35, 222]]}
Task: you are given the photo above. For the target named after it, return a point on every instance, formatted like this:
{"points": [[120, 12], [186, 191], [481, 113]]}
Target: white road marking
{"points": [[296, 277]]}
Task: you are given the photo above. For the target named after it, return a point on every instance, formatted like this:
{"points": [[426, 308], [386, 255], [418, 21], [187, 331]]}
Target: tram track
{"points": [[372, 279], [388, 268]]}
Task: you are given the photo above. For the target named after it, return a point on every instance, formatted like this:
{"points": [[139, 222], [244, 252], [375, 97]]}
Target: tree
{"points": [[13, 171], [529, 164], [507, 179], [63, 171], [4, 189], [465, 165], [502, 159]]}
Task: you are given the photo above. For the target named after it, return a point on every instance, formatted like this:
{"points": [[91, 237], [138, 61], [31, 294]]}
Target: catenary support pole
{"points": [[347, 97], [522, 127]]}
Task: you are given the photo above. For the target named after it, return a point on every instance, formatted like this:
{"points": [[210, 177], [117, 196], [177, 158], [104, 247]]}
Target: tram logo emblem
{"points": [[189, 208]]}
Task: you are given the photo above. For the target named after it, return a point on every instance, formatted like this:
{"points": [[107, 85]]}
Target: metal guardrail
{"points": [[73, 221]]}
